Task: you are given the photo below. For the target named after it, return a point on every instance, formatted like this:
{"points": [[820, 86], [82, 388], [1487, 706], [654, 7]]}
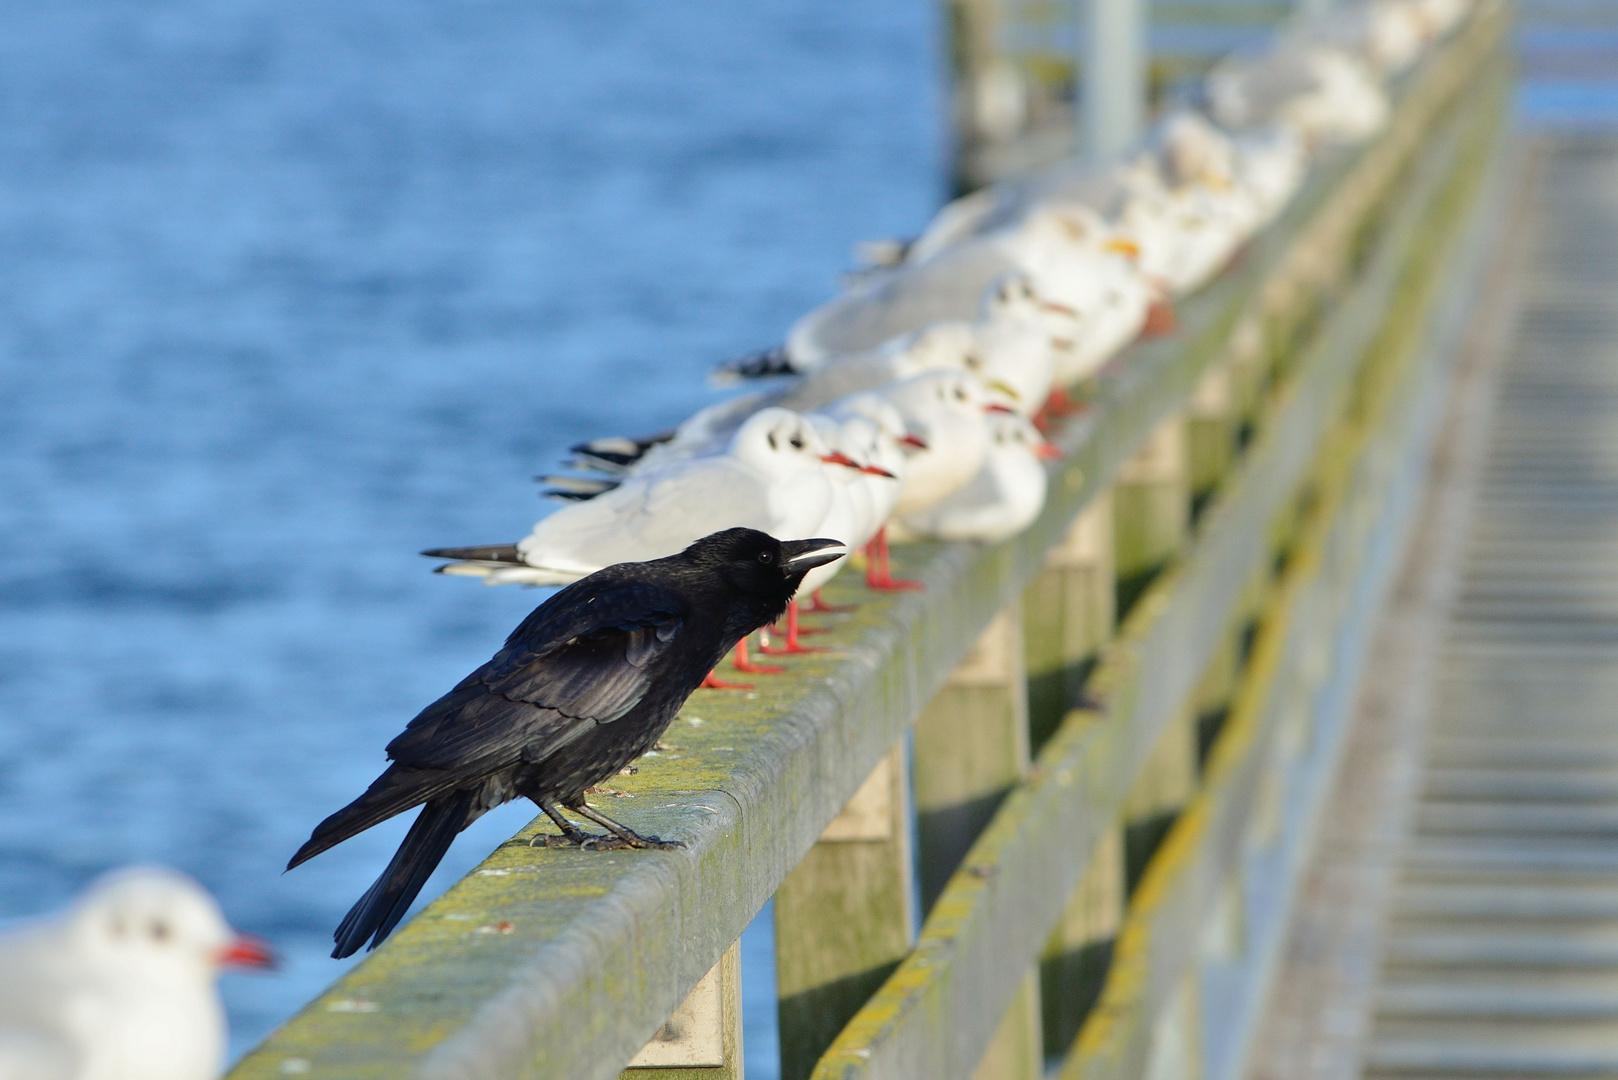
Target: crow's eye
{"points": [[766, 557]]}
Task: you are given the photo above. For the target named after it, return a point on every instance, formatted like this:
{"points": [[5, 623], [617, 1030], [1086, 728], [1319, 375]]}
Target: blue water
{"points": [[291, 289]]}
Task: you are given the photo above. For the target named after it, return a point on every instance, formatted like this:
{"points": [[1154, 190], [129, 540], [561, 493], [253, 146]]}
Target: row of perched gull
{"points": [[912, 406], [909, 407]]}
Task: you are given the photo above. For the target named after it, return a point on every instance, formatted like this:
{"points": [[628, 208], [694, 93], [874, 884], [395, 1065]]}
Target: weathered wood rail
{"points": [[1087, 798]]}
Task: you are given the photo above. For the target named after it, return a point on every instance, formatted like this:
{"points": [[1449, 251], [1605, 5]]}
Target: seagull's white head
{"points": [[780, 442], [158, 925], [873, 407], [934, 401], [1060, 226], [1015, 296], [1194, 151], [937, 346], [1010, 433]]}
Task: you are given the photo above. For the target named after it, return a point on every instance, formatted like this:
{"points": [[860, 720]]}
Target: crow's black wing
{"points": [[568, 668]]}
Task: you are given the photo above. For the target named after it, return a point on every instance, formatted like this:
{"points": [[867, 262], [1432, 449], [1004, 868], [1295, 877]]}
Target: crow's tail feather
{"points": [[398, 789], [377, 912]]}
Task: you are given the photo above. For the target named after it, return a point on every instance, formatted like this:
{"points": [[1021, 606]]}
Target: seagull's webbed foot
{"points": [[625, 836]]}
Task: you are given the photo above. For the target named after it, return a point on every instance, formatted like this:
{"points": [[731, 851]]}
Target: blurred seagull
{"points": [[772, 478], [121, 986], [1001, 501], [1327, 94]]}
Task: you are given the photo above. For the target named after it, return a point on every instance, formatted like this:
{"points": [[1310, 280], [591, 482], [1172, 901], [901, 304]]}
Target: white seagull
{"points": [[773, 477], [121, 986], [1001, 501], [1328, 94]]}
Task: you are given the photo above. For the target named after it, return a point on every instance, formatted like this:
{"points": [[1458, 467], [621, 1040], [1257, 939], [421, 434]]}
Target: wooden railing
{"points": [[1079, 805]]}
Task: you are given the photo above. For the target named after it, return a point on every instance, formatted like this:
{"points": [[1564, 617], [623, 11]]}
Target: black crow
{"points": [[585, 685]]}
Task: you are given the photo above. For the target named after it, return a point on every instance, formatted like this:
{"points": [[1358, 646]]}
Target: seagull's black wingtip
{"points": [[506, 553], [763, 364]]}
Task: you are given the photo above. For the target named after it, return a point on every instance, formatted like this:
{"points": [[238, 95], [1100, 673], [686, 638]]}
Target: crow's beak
{"points": [[804, 555], [246, 951]]}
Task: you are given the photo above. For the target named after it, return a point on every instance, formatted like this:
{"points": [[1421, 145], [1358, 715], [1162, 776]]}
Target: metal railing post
{"points": [[1114, 66]]}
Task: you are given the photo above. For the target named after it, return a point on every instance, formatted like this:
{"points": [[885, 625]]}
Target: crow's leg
{"points": [[622, 832], [572, 835]]}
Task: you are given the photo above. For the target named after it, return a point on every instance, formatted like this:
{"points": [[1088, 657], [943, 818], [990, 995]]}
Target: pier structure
{"points": [[1078, 807]]}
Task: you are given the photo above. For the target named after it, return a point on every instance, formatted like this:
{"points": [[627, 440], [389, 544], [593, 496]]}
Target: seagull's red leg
{"points": [[873, 564], [1160, 318], [792, 645], [818, 605], [742, 663], [884, 581]]}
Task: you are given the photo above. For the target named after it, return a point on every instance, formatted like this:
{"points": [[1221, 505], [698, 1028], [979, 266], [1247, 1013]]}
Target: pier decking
{"points": [[1473, 873]]}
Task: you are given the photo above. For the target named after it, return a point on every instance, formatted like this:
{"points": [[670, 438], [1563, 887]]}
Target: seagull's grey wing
{"points": [[712, 494], [839, 377], [710, 430], [948, 286], [30, 1054]]}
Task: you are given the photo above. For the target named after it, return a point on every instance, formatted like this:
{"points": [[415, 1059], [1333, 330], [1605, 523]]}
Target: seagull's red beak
{"points": [[907, 439], [995, 406], [877, 470], [246, 951], [1059, 309], [837, 458], [1047, 451]]}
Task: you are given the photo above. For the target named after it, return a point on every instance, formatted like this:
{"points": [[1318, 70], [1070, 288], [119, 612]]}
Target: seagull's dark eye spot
{"points": [[159, 930], [974, 361], [118, 928], [766, 557], [773, 445], [797, 442]]}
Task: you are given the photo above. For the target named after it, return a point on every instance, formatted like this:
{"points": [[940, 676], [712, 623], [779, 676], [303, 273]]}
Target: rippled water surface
{"points": [[291, 290]]}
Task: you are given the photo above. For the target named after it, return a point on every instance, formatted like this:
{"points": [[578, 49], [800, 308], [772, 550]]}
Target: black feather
{"points": [[583, 686], [506, 553], [376, 913]]}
